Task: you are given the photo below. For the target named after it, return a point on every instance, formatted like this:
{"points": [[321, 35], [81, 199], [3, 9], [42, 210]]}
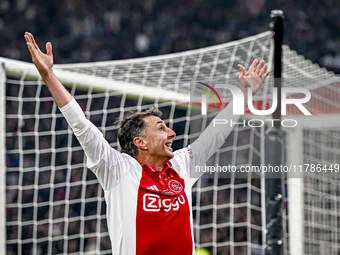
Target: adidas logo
{"points": [[153, 187]]}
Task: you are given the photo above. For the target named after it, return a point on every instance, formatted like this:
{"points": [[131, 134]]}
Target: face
{"points": [[158, 138]]}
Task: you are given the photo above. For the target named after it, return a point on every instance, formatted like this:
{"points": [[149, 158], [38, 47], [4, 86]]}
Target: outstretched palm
{"points": [[43, 62], [254, 77]]}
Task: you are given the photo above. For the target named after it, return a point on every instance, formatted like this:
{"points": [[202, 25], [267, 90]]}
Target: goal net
{"points": [[54, 204], [312, 149]]}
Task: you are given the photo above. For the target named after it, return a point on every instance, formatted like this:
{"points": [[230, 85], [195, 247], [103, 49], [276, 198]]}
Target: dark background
{"points": [[91, 30]]}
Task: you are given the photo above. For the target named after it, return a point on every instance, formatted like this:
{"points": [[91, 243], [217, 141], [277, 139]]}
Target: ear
{"points": [[140, 143]]}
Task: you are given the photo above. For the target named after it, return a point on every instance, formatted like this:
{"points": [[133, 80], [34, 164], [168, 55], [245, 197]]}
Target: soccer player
{"points": [[148, 187]]}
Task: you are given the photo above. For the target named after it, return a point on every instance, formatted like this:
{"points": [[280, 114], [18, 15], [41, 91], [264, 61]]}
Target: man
{"points": [[148, 187]]}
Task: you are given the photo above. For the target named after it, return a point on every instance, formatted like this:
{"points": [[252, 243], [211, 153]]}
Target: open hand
{"points": [[254, 77], [43, 62]]}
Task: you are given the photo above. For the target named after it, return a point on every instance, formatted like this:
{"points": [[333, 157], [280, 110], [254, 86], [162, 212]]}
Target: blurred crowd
{"points": [[89, 30]]}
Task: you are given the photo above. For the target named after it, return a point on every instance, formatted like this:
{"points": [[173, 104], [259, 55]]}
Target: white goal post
{"points": [[54, 204], [2, 160]]}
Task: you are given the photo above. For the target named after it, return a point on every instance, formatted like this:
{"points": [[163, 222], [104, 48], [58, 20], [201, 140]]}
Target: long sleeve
{"points": [[74, 116], [214, 136], [102, 159]]}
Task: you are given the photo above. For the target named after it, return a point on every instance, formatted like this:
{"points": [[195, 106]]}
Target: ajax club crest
{"points": [[175, 186]]}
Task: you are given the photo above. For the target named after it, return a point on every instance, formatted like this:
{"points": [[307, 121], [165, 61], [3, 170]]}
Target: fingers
{"points": [[242, 70], [265, 75], [252, 66], [49, 48], [34, 43], [29, 38], [30, 41], [259, 69], [262, 69], [30, 46], [259, 66]]}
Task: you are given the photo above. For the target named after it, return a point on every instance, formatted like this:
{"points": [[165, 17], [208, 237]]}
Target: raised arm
{"points": [[44, 64], [101, 158], [214, 136]]}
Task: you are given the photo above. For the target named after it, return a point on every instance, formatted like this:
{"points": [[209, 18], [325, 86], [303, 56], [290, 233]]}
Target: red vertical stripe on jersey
{"points": [[163, 214]]}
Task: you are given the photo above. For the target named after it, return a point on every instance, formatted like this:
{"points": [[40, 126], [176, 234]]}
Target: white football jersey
{"points": [[148, 211]]}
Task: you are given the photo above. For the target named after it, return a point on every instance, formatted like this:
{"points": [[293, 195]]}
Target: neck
{"points": [[157, 163]]}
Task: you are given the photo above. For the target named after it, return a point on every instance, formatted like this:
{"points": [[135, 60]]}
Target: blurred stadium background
{"points": [[89, 30], [70, 216]]}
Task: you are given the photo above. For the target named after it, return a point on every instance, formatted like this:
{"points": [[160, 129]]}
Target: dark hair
{"points": [[131, 127]]}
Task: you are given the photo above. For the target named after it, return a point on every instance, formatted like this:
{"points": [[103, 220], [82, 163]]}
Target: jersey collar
{"points": [[155, 170]]}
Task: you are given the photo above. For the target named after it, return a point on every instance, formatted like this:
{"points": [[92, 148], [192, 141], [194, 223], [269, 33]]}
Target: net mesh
{"points": [[54, 203], [321, 191]]}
